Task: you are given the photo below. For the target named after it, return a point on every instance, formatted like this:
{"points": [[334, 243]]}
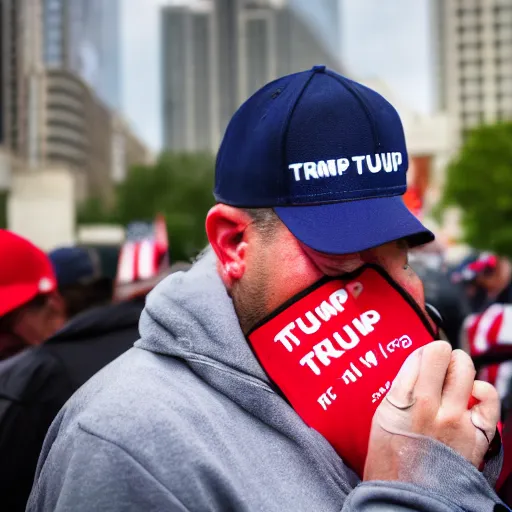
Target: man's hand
{"points": [[434, 395]]}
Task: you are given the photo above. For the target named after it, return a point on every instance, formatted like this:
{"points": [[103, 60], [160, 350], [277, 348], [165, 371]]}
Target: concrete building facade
{"points": [[474, 48], [189, 76], [54, 128], [50, 115]]}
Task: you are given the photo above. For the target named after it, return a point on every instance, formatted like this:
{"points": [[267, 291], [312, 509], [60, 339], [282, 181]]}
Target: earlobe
{"points": [[234, 270]]}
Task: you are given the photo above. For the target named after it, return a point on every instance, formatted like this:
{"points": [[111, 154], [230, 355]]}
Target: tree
{"points": [[179, 186], [479, 182]]}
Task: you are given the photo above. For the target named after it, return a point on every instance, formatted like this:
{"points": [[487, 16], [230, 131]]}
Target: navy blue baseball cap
{"points": [[328, 155], [75, 265]]}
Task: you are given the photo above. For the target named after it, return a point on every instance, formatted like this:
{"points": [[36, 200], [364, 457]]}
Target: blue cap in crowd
{"points": [[75, 265], [328, 155]]}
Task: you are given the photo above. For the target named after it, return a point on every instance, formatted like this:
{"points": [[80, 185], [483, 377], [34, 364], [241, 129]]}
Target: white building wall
{"points": [[41, 207]]}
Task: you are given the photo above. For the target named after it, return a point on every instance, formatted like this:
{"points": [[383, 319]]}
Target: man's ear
{"points": [[225, 227]]}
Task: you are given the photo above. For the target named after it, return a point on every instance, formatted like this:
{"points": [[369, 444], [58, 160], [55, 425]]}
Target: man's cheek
{"points": [[292, 273], [412, 284], [417, 291]]}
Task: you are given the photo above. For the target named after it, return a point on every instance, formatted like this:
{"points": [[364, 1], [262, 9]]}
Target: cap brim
{"points": [[354, 226], [14, 296]]}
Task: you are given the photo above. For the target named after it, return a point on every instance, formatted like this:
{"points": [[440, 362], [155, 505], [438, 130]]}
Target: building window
{"points": [[53, 55], [53, 5], [52, 30]]}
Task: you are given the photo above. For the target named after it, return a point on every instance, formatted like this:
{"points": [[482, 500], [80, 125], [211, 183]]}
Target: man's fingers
{"points": [[458, 383], [401, 394], [435, 360], [486, 413]]}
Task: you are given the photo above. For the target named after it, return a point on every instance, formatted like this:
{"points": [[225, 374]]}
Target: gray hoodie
{"points": [[187, 421]]}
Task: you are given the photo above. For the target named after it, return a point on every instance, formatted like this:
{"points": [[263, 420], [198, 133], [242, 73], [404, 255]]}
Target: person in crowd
{"points": [[448, 298], [81, 280], [31, 307], [487, 279], [37, 383], [487, 332], [487, 337], [262, 380]]}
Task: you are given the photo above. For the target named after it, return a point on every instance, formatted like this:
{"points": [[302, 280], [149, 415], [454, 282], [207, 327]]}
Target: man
{"points": [[81, 280], [487, 333], [198, 416], [487, 279], [448, 298], [31, 309]]}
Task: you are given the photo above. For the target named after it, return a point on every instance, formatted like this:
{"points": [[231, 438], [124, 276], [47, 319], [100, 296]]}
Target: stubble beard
{"points": [[249, 297]]}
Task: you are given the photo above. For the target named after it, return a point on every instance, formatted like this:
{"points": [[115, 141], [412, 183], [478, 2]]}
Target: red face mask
{"points": [[334, 350]]}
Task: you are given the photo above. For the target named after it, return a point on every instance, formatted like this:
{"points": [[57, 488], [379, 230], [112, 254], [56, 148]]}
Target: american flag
{"points": [[489, 338], [144, 253]]}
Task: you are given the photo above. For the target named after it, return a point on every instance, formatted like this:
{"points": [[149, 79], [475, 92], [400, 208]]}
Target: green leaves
{"points": [[479, 181], [178, 185]]}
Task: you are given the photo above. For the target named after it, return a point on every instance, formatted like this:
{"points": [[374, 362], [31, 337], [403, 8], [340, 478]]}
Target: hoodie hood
{"points": [[200, 321]]}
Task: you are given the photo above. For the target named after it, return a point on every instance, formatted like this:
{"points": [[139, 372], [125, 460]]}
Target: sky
{"points": [[391, 40], [386, 39]]}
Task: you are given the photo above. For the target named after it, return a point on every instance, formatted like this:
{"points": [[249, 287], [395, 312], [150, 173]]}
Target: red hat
{"points": [[25, 272]]}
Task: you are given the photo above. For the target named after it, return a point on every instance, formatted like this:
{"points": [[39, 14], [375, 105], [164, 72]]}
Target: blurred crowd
{"points": [[64, 315], [474, 299]]}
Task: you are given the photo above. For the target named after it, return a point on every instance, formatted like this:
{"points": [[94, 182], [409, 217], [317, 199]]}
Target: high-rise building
{"points": [[227, 26], [83, 36], [307, 34], [50, 110], [323, 18], [189, 76], [474, 48], [216, 53]]}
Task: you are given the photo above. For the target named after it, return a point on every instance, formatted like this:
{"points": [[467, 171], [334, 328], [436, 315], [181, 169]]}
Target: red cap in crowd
{"points": [[25, 272]]}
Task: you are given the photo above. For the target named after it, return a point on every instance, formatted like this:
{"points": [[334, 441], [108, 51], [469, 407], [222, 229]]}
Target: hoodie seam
{"points": [[225, 369], [89, 432]]}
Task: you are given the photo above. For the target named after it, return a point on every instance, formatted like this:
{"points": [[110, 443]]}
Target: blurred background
{"points": [[111, 114], [111, 111]]}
